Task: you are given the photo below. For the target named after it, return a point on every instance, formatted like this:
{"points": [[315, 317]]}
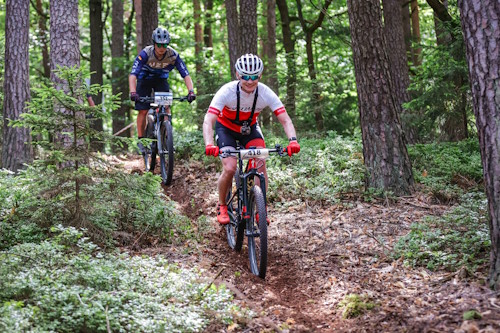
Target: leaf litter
{"points": [[319, 256]]}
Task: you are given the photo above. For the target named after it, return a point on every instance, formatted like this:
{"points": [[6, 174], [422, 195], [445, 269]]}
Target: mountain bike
{"points": [[246, 203], [159, 128]]}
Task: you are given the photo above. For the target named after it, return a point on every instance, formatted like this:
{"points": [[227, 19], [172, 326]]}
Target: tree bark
{"points": [[198, 36], [42, 26], [480, 25], [96, 56], [138, 25], [289, 46], [415, 33], [405, 11], [233, 31], [149, 20], [309, 31], [119, 82], [248, 27], [269, 52], [16, 143], [207, 28], [384, 150], [394, 35]]}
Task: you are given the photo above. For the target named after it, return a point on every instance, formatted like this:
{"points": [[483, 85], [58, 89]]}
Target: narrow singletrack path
{"points": [[319, 254]]}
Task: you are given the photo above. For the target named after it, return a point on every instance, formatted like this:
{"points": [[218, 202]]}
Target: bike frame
{"points": [[244, 178]]}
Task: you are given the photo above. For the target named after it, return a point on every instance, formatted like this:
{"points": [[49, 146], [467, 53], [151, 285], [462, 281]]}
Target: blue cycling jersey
{"points": [[146, 66]]}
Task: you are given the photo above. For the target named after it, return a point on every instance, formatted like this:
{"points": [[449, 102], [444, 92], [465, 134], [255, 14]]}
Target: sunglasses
{"points": [[164, 45], [248, 77]]}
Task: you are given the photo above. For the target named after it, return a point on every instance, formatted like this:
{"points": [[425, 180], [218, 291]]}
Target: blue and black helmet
{"points": [[161, 36]]}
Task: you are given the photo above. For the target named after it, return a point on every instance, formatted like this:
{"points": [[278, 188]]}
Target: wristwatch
{"points": [[292, 139]]}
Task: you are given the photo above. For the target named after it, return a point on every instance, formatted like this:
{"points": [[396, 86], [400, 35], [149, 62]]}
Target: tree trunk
{"points": [[207, 28], [119, 80], [289, 45], [96, 56], [198, 37], [443, 37], [405, 15], [64, 36], [415, 33], [309, 31], [42, 26], [248, 27], [480, 25], [16, 143], [394, 35], [149, 20], [233, 29], [384, 150], [269, 51], [138, 26]]}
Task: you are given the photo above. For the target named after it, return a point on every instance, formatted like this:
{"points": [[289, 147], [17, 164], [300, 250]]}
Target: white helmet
{"points": [[249, 64]]}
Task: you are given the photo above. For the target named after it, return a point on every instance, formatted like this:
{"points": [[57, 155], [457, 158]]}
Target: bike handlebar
{"points": [[260, 153], [149, 99]]}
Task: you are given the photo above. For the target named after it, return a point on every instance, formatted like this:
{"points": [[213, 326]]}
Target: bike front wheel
{"points": [[166, 152], [257, 232], [235, 229]]}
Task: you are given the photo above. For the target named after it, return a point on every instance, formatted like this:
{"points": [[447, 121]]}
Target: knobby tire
{"points": [[166, 152], [257, 232]]}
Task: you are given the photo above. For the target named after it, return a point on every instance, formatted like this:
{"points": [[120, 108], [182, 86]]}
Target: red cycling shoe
{"points": [[222, 215]]}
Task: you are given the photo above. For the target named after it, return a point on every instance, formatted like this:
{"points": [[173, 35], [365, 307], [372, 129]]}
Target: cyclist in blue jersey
{"points": [[150, 71]]}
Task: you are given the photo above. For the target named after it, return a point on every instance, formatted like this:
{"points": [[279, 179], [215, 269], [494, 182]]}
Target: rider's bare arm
{"points": [[287, 124], [208, 128], [132, 83], [188, 82]]}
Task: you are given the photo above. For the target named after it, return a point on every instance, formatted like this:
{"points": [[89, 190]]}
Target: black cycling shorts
{"points": [[145, 87], [228, 138]]}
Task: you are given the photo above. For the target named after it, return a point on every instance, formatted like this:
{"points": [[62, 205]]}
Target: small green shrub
{"points": [[324, 170], [448, 169], [354, 305], [111, 201], [68, 285], [459, 238]]}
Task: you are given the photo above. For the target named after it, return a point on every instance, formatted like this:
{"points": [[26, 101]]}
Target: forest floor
{"points": [[320, 254]]}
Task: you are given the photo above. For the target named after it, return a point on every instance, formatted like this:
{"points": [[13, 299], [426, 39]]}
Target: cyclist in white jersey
{"points": [[234, 111]]}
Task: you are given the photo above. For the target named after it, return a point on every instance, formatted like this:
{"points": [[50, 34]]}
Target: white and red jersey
{"points": [[224, 104]]}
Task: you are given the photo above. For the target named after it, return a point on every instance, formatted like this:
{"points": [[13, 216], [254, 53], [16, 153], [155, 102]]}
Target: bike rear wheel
{"points": [[257, 232], [235, 229], [166, 152]]}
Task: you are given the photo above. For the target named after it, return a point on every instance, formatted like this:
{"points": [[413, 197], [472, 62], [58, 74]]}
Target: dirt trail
{"points": [[318, 255]]}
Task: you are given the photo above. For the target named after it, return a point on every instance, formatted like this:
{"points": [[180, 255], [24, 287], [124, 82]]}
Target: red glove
{"points": [[293, 148], [212, 150]]}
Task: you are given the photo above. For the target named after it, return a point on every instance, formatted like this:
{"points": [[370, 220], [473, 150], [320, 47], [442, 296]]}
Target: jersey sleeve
{"points": [[275, 103], [181, 66], [139, 61], [218, 102]]}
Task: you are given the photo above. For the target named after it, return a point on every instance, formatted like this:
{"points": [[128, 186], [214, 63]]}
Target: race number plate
{"points": [[247, 154], [163, 98]]}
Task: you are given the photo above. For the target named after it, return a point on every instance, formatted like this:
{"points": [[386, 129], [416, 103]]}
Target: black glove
{"points": [[134, 97], [191, 96]]}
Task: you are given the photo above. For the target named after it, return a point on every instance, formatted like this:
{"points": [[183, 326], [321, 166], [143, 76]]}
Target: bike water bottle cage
{"points": [[245, 125]]}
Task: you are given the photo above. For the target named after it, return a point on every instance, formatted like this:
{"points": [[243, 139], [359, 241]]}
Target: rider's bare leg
{"points": [[226, 178], [141, 123]]}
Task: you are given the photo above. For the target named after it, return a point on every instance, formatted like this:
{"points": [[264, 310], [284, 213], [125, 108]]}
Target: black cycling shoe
{"points": [[142, 149]]}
